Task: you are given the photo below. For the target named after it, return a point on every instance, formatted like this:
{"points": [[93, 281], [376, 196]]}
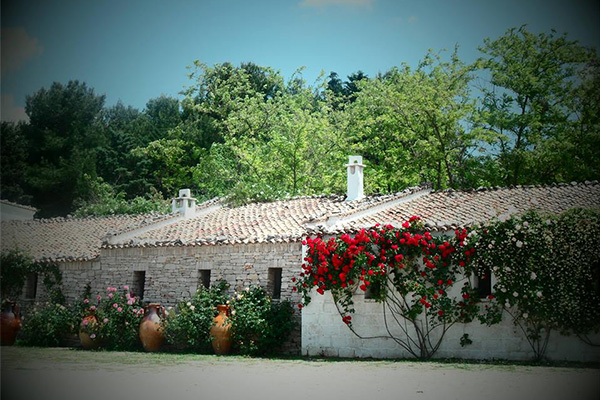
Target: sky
{"points": [[135, 50]]}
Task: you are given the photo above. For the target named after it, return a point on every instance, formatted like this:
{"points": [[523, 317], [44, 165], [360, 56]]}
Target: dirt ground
{"points": [[63, 374]]}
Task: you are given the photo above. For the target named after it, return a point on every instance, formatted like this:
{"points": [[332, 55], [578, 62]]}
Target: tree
{"points": [[284, 146], [271, 138], [63, 137], [530, 103], [415, 125], [104, 201], [128, 129], [164, 114], [13, 159]]}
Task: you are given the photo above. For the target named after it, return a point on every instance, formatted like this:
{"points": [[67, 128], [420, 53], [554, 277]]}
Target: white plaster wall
{"points": [[9, 212], [324, 333]]}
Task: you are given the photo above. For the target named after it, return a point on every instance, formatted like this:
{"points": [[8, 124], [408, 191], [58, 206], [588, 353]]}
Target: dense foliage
{"points": [[16, 266], [412, 273], [188, 325], [259, 325], [526, 112], [119, 314], [48, 324], [547, 271]]}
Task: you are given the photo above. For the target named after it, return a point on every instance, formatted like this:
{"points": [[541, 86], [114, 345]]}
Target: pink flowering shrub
{"points": [[119, 315]]}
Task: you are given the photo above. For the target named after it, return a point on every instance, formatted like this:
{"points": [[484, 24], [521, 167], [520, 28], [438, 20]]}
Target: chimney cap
{"points": [[355, 161], [185, 193]]}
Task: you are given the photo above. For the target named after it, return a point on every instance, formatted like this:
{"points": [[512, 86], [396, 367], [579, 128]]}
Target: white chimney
{"points": [[185, 204], [355, 178]]}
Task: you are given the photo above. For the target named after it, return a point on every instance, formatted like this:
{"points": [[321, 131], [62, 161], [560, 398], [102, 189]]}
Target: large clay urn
{"points": [[11, 322], [89, 322], [151, 331], [221, 331]]}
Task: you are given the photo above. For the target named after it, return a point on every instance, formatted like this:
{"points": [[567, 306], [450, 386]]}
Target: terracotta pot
{"points": [[221, 331], [151, 331], [88, 342], [10, 323]]}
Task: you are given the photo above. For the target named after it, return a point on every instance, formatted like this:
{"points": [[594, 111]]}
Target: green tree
{"points": [[416, 125], [13, 162], [63, 138], [128, 129], [530, 104], [104, 201], [282, 146]]}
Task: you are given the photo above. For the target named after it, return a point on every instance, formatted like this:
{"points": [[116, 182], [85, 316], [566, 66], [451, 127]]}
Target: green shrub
{"points": [[119, 316], [188, 327], [48, 324], [259, 326]]}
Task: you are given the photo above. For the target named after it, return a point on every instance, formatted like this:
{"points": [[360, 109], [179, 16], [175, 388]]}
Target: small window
{"points": [[373, 290], [139, 282], [204, 278], [31, 285], [275, 282], [483, 282]]}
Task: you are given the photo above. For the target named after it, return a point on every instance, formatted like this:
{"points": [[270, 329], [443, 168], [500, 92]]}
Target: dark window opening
{"points": [[275, 282], [204, 278], [31, 285], [139, 282], [484, 282], [373, 291]]}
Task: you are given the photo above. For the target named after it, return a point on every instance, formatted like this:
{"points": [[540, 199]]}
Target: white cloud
{"points": [[17, 48], [9, 111], [325, 3]]}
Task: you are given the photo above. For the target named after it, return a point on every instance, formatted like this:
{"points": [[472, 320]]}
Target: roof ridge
{"points": [[512, 187], [385, 198]]}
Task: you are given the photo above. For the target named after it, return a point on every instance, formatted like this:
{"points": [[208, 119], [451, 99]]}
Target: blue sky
{"points": [[137, 50]]}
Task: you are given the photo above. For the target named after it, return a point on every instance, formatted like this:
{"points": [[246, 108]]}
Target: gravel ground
{"points": [[65, 374]]}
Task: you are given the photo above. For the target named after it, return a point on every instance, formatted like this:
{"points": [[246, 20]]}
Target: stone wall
{"points": [[172, 274], [324, 333]]}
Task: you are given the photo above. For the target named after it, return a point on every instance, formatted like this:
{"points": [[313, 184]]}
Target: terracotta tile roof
{"points": [[448, 209], [279, 221], [288, 220], [66, 239]]}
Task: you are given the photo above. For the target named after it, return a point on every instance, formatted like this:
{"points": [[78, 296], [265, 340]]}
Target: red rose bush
{"points": [[407, 269]]}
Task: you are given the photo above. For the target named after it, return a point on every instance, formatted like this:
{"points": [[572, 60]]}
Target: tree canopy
{"points": [[526, 112]]}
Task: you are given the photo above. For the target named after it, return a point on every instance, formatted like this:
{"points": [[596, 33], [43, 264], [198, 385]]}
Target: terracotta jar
{"points": [[221, 331], [11, 322], [88, 341], [151, 331]]}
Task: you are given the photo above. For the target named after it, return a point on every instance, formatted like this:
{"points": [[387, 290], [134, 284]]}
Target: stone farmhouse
{"points": [[166, 258]]}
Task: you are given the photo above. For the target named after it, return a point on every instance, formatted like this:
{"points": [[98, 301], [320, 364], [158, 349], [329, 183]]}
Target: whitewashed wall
{"points": [[324, 333]]}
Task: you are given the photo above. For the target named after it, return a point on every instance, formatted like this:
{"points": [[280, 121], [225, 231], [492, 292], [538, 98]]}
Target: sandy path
{"points": [[235, 378]]}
